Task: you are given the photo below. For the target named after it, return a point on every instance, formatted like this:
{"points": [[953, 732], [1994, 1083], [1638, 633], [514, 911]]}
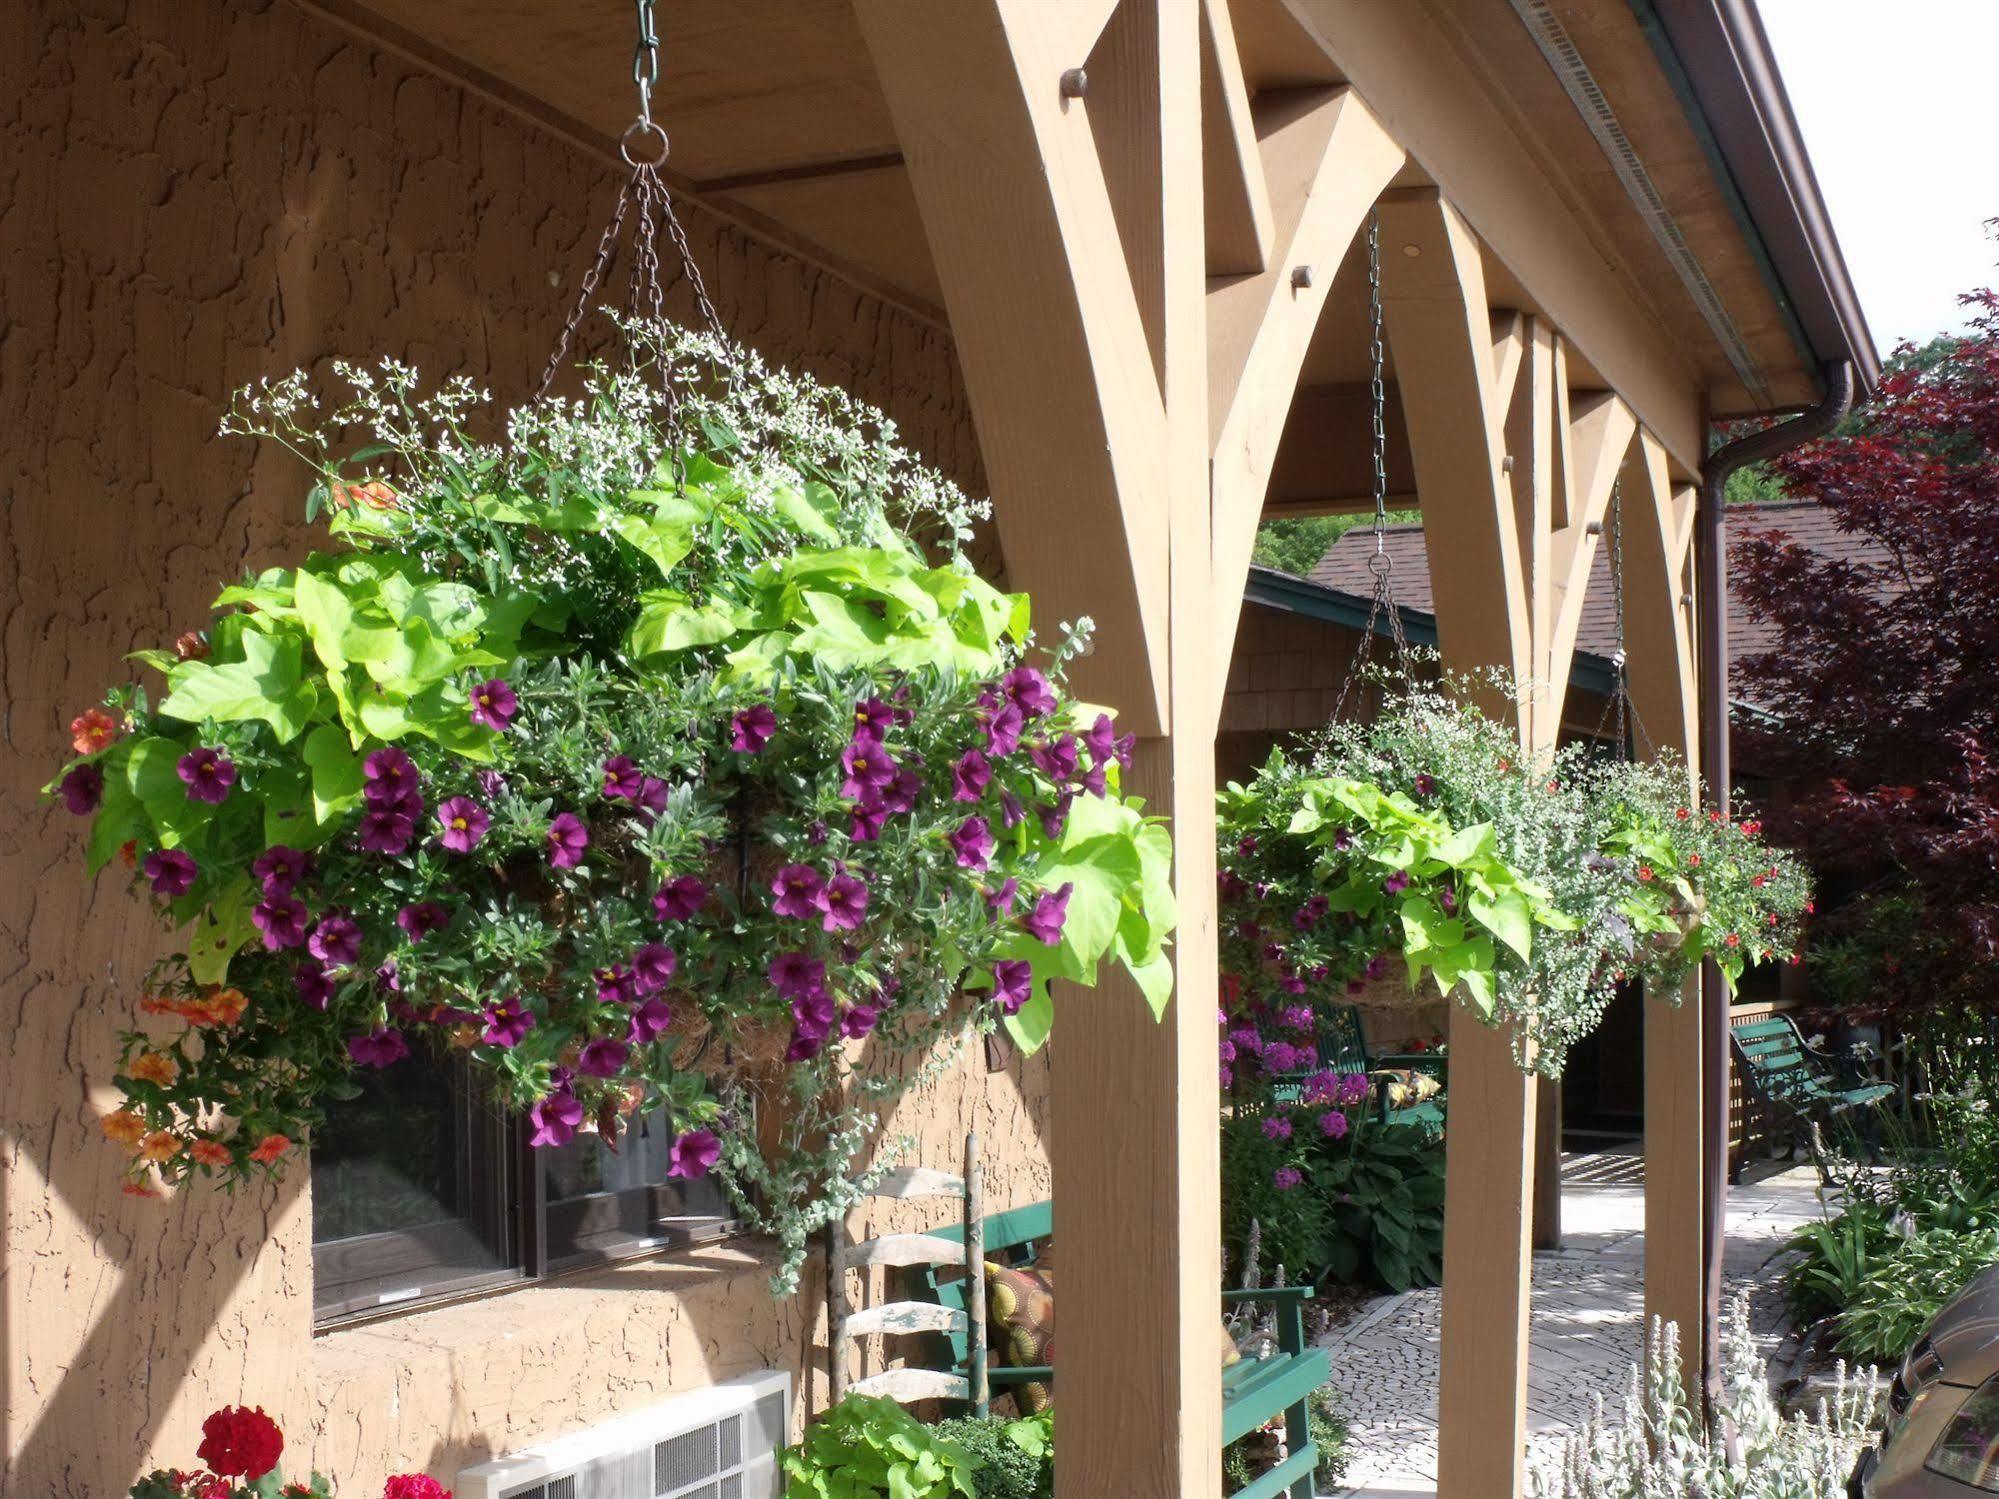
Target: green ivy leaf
{"points": [[265, 685], [337, 773]]}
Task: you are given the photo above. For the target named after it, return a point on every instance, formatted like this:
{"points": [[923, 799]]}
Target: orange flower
{"points": [[216, 1007], [160, 1145], [192, 646], [375, 495], [269, 1149], [154, 1067], [91, 730], [210, 1152], [1693, 861], [140, 1189], [1731, 940], [128, 853], [1644, 871], [123, 1128]]}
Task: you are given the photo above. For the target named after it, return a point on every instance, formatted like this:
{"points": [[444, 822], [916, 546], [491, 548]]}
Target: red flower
{"points": [[1693, 861], [91, 730], [415, 1486], [1683, 814], [1644, 871], [269, 1149], [240, 1442], [1731, 940]]}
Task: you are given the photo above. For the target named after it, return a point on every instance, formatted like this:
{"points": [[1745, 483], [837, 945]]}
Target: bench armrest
{"points": [[1281, 1294], [1289, 1304]]}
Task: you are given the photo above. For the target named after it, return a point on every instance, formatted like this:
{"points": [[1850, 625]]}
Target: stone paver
{"points": [[1586, 1324]]}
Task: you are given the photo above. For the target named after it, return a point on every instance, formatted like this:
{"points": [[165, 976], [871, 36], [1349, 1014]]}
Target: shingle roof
{"points": [[1345, 569]]}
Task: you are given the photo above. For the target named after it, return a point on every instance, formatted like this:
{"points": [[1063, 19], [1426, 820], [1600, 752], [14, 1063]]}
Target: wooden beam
{"points": [[1240, 228], [1600, 431], [1442, 109], [1081, 221], [1326, 445], [1326, 159]]}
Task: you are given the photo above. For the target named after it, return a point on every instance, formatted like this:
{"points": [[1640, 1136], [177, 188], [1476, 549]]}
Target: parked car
{"points": [[1942, 1436]]}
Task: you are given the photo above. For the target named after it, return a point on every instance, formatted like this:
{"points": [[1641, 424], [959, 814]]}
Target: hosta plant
{"points": [[661, 752], [1422, 855]]}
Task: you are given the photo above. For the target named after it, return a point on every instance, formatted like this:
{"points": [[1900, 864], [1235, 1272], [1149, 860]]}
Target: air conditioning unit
{"points": [[717, 1443]]}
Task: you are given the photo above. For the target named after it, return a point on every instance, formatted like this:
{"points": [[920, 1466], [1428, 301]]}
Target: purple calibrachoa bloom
{"points": [[970, 776], [1050, 914], [693, 1154], [873, 719], [171, 871], [794, 974], [280, 869], [1106, 744], [1028, 690], [650, 1018], [843, 903], [752, 728], [1426, 784], [567, 838], [1003, 724], [1333, 1124], [281, 918], [999, 900], [336, 941], [603, 1056], [1276, 1127], [679, 899], [653, 966], [491, 784], [812, 1022], [387, 829], [419, 919], [796, 888], [652, 796], [83, 790], [388, 978], [1287, 1178], [382, 1047], [1013, 984], [622, 779], [869, 768], [869, 813], [464, 823], [1056, 818], [1095, 781], [391, 777], [494, 705], [314, 986], [859, 1020], [208, 774], [555, 1118], [507, 1023], [1012, 813], [900, 794], [1377, 966], [615, 985], [972, 843], [1397, 882], [1057, 759]]}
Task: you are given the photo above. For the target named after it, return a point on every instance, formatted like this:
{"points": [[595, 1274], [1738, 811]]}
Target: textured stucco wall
{"points": [[194, 193]]}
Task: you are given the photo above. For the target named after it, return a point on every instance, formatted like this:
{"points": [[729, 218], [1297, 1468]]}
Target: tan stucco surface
{"points": [[195, 193]]}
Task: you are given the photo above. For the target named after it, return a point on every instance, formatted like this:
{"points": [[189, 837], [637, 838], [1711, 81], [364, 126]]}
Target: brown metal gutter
{"points": [[1712, 561], [1717, 57]]}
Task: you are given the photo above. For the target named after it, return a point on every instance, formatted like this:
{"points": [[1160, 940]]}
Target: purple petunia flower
{"points": [[653, 966], [679, 899], [1049, 916], [280, 869], [388, 978], [752, 728], [794, 974], [1101, 738], [614, 985], [208, 774], [972, 843], [900, 794], [1333, 1124], [1290, 983], [387, 829], [859, 1021], [555, 1118], [494, 705], [843, 903], [622, 779], [812, 1023], [1057, 759], [869, 768], [281, 918], [567, 838], [1287, 1178], [649, 1021], [1397, 882], [1013, 984], [507, 1023], [1028, 690], [872, 719], [391, 777], [171, 871], [314, 986], [796, 888], [970, 776], [999, 901], [420, 919], [1426, 784], [1003, 725], [1095, 781], [693, 1154], [869, 814], [1012, 813], [382, 1047], [83, 790], [1056, 818], [1342, 839], [336, 941], [464, 823], [603, 1056], [1377, 966], [652, 796]]}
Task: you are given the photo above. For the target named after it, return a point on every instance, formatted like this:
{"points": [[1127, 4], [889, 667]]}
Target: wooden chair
{"points": [[964, 1324]]}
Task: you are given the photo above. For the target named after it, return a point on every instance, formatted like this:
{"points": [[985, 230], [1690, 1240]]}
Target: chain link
{"points": [[645, 61], [1620, 713]]}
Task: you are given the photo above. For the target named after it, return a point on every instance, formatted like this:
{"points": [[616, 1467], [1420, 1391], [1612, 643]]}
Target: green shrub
{"points": [[867, 1447], [1016, 1458], [1833, 1257], [1903, 1290]]}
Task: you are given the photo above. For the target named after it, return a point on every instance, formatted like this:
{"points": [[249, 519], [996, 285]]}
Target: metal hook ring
{"points": [[1380, 564], [632, 143]]}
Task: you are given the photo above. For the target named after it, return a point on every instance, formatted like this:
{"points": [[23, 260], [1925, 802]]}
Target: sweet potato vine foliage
{"points": [[1885, 679], [663, 755]]}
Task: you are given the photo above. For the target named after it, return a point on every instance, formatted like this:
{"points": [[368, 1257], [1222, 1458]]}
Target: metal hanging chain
{"points": [[1381, 566], [643, 147], [1620, 714]]}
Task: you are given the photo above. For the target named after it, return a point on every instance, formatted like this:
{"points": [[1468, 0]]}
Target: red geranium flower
{"points": [[415, 1486], [240, 1442]]}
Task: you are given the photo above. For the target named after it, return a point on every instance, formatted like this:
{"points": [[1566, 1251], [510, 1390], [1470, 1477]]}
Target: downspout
{"points": [[1713, 592]]}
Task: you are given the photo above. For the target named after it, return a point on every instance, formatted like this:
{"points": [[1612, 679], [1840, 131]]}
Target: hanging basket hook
{"points": [[643, 144]]}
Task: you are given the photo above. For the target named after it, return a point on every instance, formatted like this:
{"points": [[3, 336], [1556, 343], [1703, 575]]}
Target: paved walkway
{"points": [[1586, 1328]]}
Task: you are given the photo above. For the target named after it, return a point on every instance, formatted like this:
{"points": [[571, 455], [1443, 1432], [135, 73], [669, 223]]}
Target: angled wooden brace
{"points": [[1599, 436], [1659, 613], [1239, 221], [1326, 158]]}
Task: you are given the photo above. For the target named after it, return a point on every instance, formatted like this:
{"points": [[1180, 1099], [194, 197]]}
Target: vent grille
{"points": [[684, 1459]]}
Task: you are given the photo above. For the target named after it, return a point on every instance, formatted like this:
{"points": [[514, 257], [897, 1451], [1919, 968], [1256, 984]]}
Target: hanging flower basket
{"points": [[651, 756]]}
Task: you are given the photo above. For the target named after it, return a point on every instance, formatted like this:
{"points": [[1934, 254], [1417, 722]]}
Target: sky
{"points": [[1898, 102]]}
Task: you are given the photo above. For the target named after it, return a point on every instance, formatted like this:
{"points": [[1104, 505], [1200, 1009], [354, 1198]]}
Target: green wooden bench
{"points": [[1343, 1048], [1254, 1391], [1794, 1083]]}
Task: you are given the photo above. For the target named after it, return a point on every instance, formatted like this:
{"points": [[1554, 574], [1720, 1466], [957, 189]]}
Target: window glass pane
{"points": [[603, 1202], [411, 1189]]}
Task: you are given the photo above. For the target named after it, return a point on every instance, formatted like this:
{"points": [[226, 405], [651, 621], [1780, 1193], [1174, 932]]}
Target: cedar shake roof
{"points": [[1344, 569]]}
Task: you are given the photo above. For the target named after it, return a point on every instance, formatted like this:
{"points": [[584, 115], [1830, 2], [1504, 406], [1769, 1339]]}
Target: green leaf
{"points": [[1508, 916], [669, 623], [1478, 841], [1030, 1025], [221, 931], [337, 772], [264, 685]]}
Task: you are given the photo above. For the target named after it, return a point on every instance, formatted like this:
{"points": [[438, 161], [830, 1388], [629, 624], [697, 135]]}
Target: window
{"points": [[421, 1189]]}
